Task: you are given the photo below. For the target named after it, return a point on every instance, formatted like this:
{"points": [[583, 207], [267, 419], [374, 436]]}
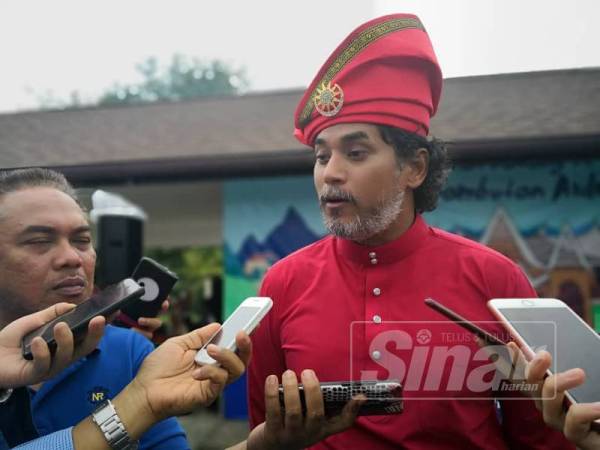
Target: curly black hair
{"points": [[406, 145]]}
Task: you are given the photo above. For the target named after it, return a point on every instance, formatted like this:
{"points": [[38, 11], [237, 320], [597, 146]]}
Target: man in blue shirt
{"points": [[168, 382], [46, 257]]}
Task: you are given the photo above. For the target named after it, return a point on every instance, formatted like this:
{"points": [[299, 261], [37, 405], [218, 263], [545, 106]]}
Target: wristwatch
{"points": [[106, 417], [5, 394]]}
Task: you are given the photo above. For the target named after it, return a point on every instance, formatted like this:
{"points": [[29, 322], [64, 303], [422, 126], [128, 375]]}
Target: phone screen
{"points": [[104, 302], [576, 345], [235, 323]]}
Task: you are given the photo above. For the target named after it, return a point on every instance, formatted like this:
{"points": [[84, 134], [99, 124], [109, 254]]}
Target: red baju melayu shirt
{"points": [[333, 304]]}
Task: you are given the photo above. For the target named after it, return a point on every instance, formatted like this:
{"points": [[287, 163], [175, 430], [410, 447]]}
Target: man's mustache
{"points": [[332, 193]]}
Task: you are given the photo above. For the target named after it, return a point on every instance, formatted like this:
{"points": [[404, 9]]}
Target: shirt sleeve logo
{"points": [[97, 395]]}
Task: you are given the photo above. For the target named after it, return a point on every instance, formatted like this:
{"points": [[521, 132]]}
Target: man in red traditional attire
{"points": [[366, 115]]}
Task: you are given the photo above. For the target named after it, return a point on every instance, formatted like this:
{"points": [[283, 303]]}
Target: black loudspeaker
{"points": [[119, 248]]}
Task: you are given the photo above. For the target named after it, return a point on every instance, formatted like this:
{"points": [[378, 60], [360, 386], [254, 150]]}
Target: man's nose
{"points": [[67, 255], [335, 171]]}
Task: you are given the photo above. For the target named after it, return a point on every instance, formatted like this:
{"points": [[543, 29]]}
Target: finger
{"points": [[347, 416], [90, 342], [150, 324], [165, 306], [20, 327], [293, 406], [480, 342], [216, 377], [535, 372], [59, 310], [537, 367], [273, 418], [244, 347], [42, 359], [518, 361], [553, 395], [228, 361], [64, 347], [195, 339], [315, 409], [578, 420]]}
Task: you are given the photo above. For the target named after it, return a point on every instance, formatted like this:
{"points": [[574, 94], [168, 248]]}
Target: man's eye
{"points": [[38, 242], [83, 240], [322, 158], [357, 153]]}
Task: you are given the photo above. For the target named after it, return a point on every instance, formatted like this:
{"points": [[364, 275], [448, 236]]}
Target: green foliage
{"points": [[192, 265], [182, 79]]}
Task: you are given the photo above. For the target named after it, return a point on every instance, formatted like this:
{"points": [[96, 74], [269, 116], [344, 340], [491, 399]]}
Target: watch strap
{"points": [[107, 419]]}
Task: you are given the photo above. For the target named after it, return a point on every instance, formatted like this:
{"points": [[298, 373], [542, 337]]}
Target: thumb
{"points": [[195, 339]]}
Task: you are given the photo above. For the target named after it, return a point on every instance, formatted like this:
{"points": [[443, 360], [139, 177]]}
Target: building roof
{"points": [[524, 114]]}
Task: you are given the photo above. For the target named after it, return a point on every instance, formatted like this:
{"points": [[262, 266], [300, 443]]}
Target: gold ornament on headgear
{"points": [[329, 99]]}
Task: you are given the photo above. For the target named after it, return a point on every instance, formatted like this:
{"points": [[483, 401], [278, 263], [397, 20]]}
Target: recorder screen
{"points": [[576, 345]]}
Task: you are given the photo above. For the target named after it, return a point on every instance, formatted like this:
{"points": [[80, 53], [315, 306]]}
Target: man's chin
{"points": [[345, 230], [68, 297]]}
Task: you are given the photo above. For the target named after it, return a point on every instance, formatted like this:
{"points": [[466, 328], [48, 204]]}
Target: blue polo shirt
{"points": [[74, 393]]}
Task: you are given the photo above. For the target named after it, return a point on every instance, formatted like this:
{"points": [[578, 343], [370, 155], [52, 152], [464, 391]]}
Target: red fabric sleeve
{"points": [[523, 425], [267, 354]]}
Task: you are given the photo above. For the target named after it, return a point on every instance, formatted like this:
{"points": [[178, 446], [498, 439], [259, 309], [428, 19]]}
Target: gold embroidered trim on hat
{"points": [[354, 48], [329, 99]]}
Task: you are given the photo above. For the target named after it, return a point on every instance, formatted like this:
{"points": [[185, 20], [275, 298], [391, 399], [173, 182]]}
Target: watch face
{"points": [[5, 394]]}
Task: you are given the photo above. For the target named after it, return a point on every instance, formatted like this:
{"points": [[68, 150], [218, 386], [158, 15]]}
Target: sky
{"points": [[50, 49]]}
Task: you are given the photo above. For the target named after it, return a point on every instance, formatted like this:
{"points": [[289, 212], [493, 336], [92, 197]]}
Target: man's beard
{"points": [[365, 223]]}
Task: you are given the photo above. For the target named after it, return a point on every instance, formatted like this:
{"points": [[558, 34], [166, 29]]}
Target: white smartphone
{"points": [[549, 324], [245, 318]]}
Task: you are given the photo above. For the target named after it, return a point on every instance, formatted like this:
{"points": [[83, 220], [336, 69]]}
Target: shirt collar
{"points": [[388, 253]]}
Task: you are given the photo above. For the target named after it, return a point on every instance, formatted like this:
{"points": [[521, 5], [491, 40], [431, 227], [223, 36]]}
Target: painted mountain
{"points": [[254, 257]]}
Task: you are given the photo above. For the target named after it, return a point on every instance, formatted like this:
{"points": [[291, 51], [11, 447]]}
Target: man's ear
{"points": [[418, 167]]}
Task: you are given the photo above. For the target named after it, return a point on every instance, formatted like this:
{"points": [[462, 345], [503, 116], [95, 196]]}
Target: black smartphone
{"points": [[158, 281], [383, 397], [488, 338], [499, 354], [103, 303]]}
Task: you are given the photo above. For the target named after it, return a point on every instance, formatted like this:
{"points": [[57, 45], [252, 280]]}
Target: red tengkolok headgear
{"points": [[385, 72]]}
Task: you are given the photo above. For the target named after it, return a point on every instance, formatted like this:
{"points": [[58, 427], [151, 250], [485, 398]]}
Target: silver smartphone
{"points": [[548, 323], [245, 318]]}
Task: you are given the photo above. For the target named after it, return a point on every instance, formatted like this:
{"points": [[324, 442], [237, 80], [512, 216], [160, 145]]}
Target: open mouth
{"points": [[334, 203]]}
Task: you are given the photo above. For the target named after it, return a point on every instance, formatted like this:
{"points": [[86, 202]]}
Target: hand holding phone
{"points": [[382, 397], [285, 428], [546, 323], [157, 281], [245, 318], [103, 303], [16, 371], [580, 423]]}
